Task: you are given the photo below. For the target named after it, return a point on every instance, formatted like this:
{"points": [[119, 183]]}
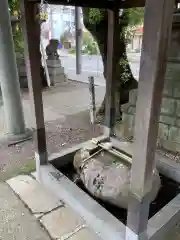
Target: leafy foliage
{"points": [[95, 15], [88, 44], [18, 40], [134, 16], [14, 7], [131, 17]]}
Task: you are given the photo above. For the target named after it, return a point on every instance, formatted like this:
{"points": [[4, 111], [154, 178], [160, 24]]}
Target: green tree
{"points": [[96, 22], [89, 46], [14, 7]]}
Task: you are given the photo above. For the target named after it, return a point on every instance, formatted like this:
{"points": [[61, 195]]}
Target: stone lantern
{"points": [[19, 57], [56, 71]]}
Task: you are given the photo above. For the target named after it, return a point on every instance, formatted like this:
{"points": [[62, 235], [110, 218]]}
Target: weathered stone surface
{"points": [[125, 107], [38, 215], [22, 71], [108, 178], [56, 71], [84, 234], [174, 134], [33, 194], [132, 110], [168, 88], [177, 122], [168, 106], [172, 143], [178, 108], [133, 96], [61, 222], [163, 132], [51, 49], [57, 79], [171, 146], [16, 222], [176, 86], [54, 63], [127, 127], [167, 120], [174, 234]]}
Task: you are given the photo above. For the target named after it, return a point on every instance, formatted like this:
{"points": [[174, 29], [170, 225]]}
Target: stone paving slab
{"points": [[84, 234], [16, 222], [174, 234], [62, 223], [33, 194]]}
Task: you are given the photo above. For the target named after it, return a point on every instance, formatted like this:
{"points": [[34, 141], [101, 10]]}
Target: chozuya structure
{"points": [[157, 32]]}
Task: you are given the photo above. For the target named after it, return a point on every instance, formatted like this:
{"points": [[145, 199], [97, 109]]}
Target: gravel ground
{"points": [[60, 134], [75, 129]]}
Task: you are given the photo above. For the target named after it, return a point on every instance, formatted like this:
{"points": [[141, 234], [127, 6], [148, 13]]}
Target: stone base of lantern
{"points": [[23, 77], [56, 72], [21, 70]]}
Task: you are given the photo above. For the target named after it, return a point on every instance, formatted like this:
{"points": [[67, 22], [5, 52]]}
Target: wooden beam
{"points": [[113, 36], [157, 31], [96, 4], [31, 33]]}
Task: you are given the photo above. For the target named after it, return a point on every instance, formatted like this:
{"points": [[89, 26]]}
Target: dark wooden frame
{"points": [[157, 31], [96, 4]]}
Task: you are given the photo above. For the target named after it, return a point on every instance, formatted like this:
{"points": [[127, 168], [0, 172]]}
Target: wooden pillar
{"points": [[157, 31], [31, 32], [113, 35]]}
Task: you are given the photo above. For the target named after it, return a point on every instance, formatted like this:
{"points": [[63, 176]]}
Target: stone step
{"points": [[61, 221], [37, 198]]}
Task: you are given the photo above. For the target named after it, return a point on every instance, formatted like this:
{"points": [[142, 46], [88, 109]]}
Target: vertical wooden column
{"points": [[31, 32], [157, 31], [110, 110]]}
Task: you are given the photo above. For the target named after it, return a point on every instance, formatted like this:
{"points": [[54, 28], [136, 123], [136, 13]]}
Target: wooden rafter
{"points": [[96, 4]]}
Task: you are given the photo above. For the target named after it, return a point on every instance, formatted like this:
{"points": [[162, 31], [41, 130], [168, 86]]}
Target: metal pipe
{"points": [[116, 153]]}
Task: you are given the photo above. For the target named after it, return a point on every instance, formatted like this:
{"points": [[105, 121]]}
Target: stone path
{"points": [[56, 217], [63, 100], [16, 222]]}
